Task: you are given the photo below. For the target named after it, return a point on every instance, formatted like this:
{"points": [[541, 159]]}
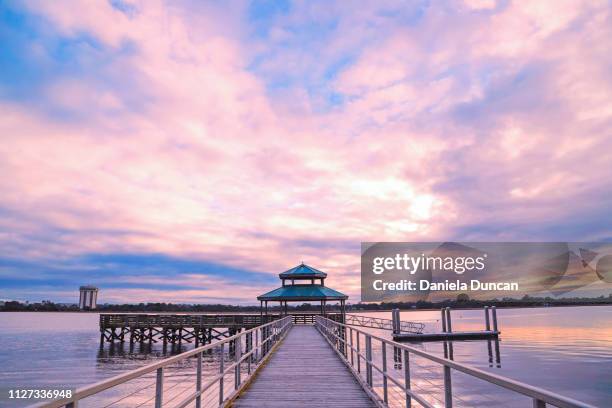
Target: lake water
{"points": [[566, 350]]}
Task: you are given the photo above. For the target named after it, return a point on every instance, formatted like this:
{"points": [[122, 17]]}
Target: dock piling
{"points": [[395, 316], [448, 320], [494, 315], [487, 322], [443, 312]]}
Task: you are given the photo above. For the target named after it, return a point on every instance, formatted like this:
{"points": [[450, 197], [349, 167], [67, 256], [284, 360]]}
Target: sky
{"points": [[190, 151]]}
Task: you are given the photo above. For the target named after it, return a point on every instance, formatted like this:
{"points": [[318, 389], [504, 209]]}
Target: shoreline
{"points": [[436, 309]]}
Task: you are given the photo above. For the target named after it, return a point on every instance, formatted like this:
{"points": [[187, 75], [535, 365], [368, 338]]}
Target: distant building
{"points": [[89, 297]]}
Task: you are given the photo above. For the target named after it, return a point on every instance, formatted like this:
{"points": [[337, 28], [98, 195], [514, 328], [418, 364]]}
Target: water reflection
{"points": [[448, 350], [497, 354], [135, 350], [493, 349]]}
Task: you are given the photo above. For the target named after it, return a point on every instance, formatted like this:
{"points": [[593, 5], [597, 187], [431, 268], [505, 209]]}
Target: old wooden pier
{"points": [[176, 328]]}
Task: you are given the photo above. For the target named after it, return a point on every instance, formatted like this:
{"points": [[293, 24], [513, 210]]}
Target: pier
{"points": [[204, 328], [295, 360], [173, 328], [177, 328], [282, 364]]}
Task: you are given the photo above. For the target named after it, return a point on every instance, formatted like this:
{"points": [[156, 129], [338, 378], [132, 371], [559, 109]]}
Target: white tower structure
{"points": [[89, 297]]}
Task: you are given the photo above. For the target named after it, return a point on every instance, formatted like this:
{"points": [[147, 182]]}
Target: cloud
{"points": [[259, 138]]}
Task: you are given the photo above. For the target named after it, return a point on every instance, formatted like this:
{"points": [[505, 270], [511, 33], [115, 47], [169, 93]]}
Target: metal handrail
{"points": [[266, 336], [385, 324], [336, 335]]}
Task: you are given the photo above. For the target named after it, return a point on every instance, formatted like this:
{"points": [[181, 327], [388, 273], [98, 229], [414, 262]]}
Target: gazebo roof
{"points": [[303, 292], [303, 271]]}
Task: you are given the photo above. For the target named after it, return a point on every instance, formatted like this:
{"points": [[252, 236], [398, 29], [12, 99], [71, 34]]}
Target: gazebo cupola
{"points": [[302, 272]]}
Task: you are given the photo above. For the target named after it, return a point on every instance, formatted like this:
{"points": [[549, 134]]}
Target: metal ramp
{"points": [[384, 324]]}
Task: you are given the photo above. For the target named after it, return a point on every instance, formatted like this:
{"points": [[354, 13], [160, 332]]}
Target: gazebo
{"points": [[294, 289]]}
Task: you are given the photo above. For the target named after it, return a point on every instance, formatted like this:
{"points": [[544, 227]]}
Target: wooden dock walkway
{"points": [[304, 372]]}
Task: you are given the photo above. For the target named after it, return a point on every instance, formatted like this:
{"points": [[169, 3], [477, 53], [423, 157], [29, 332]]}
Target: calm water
{"points": [[567, 350]]}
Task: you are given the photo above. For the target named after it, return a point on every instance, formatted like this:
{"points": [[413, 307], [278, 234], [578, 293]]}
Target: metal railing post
{"points": [[221, 369], [448, 320], [487, 323], [257, 345], [369, 360], [538, 403], [358, 354], [407, 377], [199, 381], [384, 371], [448, 390], [237, 356], [249, 349], [352, 352], [159, 388]]}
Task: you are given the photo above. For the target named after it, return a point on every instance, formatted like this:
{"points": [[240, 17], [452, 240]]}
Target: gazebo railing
{"points": [[247, 350]]}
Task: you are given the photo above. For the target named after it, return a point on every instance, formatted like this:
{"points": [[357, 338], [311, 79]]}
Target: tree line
{"points": [[461, 302]]}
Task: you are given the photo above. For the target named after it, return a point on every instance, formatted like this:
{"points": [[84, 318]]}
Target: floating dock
{"points": [[476, 335], [447, 332]]}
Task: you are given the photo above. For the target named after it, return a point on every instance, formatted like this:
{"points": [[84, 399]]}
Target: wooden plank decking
{"points": [[304, 372]]}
